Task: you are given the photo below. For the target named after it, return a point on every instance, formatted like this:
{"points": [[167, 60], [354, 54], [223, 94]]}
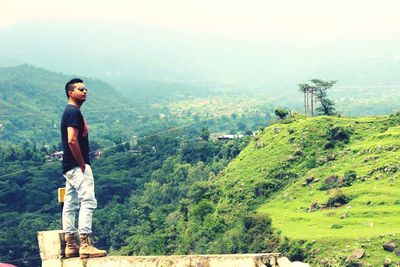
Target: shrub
{"points": [[336, 226], [337, 135], [257, 234], [295, 250], [349, 178], [337, 199], [281, 113]]}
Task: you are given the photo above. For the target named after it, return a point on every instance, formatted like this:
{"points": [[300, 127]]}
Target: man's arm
{"points": [[74, 146]]}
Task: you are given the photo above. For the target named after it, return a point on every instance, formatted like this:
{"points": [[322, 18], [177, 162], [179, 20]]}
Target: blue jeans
{"points": [[79, 191]]}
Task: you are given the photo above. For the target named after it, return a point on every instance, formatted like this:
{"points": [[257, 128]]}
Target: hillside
{"points": [[145, 93], [332, 181], [31, 89], [32, 100]]}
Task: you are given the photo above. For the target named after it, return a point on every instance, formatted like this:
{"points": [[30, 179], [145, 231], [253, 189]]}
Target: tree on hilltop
{"points": [[327, 106], [316, 91], [306, 89]]}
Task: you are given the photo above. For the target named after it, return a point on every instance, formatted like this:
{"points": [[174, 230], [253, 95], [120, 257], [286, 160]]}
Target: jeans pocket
{"points": [[69, 174], [88, 172]]}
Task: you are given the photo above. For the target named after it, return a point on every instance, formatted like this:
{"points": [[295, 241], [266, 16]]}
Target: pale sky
{"points": [[286, 19], [246, 41]]}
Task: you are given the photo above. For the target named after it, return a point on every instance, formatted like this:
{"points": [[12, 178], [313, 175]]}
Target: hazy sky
{"points": [[229, 41], [314, 20]]}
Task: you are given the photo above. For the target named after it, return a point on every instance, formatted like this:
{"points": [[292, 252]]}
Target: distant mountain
{"points": [[26, 89], [144, 93], [32, 100]]}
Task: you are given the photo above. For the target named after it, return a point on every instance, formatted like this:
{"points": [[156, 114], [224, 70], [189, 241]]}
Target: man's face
{"points": [[79, 92]]}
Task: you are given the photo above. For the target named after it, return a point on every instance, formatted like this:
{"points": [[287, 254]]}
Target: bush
{"points": [[337, 135], [338, 199], [257, 234], [295, 250], [281, 113], [349, 178]]}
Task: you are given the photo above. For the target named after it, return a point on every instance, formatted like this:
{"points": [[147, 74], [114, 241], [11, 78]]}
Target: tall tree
{"points": [[303, 87], [327, 106], [311, 91], [314, 92]]}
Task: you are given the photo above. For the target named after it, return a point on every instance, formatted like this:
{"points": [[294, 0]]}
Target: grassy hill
{"points": [[331, 181]]}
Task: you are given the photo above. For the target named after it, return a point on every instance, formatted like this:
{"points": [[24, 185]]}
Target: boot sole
{"points": [[85, 256], [71, 256]]}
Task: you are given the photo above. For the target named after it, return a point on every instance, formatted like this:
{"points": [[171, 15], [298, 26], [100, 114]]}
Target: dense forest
{"points": [[152, 200]]}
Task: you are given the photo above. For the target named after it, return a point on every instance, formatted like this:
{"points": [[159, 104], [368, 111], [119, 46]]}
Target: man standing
{"points": [[79, 185]]}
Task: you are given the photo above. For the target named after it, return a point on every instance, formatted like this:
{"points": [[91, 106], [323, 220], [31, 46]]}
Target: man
{"points": [[79, 185]]}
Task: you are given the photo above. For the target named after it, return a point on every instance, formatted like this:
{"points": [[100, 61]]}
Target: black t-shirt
{"points": [[72, 117]]}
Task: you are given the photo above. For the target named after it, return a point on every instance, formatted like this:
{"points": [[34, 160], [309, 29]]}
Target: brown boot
{"points": [[71, 247], [87, 250]]}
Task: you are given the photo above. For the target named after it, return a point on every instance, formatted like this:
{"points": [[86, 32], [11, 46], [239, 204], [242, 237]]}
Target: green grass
{"points": [[372, 214]]}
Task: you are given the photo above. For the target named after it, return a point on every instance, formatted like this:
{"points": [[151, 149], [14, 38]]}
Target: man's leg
{"points": [[84, 185], [71, 204], [87, 200]]}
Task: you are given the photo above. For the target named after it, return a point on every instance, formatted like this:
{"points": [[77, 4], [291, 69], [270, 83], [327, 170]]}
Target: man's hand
{"points": [[83, 168]]}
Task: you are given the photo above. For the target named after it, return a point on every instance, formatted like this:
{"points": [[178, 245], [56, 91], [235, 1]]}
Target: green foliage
{"points": [[205, 134], [318, 90], [257, 234], [336, 226], [337, 199], [198, 151], [337, 135], [281, 113], [295, 250], [320, 87], [199, 211], [349, 178], [327, 107]]}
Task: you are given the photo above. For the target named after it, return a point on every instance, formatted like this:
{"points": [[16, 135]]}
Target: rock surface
{"points": [[331, 179], [389, 246], [358, 253], [285, 262]]}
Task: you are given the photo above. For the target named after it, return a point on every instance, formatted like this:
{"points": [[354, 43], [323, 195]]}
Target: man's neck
{"points": [[74, 103]]}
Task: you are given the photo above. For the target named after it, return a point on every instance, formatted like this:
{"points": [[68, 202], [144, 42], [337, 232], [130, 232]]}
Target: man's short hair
{"points": [[69, 85]]}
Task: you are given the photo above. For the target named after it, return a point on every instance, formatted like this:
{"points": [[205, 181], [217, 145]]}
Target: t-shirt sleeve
{"points": [[75, 119]]}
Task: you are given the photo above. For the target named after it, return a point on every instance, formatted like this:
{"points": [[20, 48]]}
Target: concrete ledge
{"points": [[237, 260], [51, 245]]}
